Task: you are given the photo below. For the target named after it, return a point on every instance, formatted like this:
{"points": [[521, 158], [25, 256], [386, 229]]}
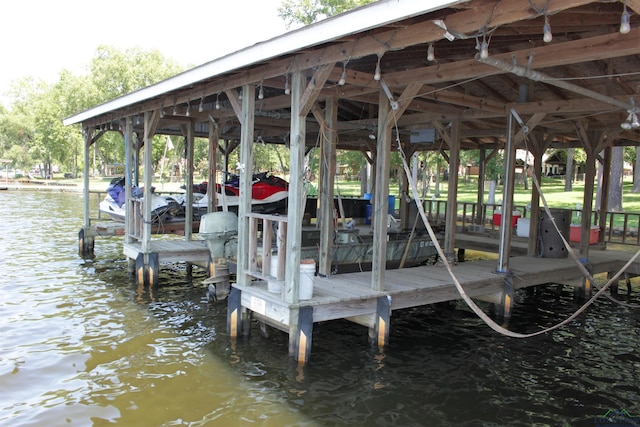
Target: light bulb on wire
{"points": [[377, 74], [546, 30], [343, 76], [287, 89], [484, 49], [431, 56], [625, 27]]}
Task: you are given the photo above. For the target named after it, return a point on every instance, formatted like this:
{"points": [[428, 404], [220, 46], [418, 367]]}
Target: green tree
{"points": [[309, 11]]}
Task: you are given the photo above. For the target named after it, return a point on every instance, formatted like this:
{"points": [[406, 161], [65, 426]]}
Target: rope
{"points": [[585, 272], [470, 303]]}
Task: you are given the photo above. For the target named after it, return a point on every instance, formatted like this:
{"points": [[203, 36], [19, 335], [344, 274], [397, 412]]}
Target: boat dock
{"points": [[349, 296], [369, 90]]}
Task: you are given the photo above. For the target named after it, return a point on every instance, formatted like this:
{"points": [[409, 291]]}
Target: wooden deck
{"points": [[350, 295]]}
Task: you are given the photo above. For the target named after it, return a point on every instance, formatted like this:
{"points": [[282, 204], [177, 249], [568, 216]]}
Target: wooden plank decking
{"points": [[350, 295], [194, 251]]}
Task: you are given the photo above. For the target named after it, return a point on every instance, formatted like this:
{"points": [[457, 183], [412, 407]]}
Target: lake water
{"points": [[81, 345]]}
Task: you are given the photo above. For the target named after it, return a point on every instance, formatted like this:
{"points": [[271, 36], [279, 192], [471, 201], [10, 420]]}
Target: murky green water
{"points": [[81, 345]]}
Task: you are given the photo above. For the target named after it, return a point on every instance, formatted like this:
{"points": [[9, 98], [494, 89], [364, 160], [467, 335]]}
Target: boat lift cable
{"points": [[467, 299], [585, 272]]}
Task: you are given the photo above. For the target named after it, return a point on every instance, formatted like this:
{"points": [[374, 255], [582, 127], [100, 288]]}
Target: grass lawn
{"points": [[552, 188]]}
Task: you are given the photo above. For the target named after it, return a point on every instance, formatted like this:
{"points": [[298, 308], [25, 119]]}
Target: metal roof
{"points": [[585, 80], [379, 13]]}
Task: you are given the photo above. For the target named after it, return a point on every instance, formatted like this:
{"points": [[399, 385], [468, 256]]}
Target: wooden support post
{"points": [[88, 137], [451, 214], [295, 211], [188, 208], [507, 199], [214, 135], [506, 303], [234, 313], [480, 220], [534, 211], [328, 170], [151, 119], [583, 292], [85, 244], [152, 269], [382, 323], [247, 115], [140, 270], [128, 155], [381, 195], [304, 335]]}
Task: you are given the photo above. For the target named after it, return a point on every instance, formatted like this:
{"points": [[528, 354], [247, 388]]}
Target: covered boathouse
{"points": [[479, 74]]}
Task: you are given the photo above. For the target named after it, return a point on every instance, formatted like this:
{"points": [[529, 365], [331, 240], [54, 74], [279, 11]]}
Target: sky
{"points": [[40, 38]]}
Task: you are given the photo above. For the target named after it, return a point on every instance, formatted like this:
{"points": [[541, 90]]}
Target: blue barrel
{"points": [[368, 210], [392, 204]]}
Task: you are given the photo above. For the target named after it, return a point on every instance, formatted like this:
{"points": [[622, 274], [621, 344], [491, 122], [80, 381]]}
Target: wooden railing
{"points": [[262, 225], [620, 227]]}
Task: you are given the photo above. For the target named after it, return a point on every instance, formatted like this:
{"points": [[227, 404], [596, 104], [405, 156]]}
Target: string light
{"points": [[260, 92], [546, 30], [218, 102], [377, 74], [187, 113], [483, 47], [625, 27], [343, 76], [430, 53], [287, 89], [631, 122], [201, 106]]}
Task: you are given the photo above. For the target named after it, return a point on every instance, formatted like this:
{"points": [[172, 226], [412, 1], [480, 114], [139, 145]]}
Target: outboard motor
{"points": [[216, 228]]}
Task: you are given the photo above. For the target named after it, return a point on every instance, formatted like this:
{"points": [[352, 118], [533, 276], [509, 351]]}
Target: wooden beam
{"points": [[236, 103], [314, 87], [588, 49], [531, 124], [468, 21], [634, 5], [151, 124]]}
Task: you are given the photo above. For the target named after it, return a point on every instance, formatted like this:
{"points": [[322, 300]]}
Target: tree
{"points": [[309, 11], [31, 130], [568, 175], [493, 170], [616, 175]]}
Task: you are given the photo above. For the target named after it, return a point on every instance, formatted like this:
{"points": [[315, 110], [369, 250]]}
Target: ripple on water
{"points": [[81, 344]]}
